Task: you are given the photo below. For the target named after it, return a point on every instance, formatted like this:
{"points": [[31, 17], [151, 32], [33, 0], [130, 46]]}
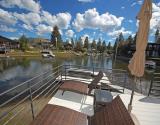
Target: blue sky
{"points": [[103, 19]]}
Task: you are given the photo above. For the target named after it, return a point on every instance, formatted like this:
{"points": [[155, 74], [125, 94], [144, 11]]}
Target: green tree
{"points": [[157, 34], [115, 44], [93, 45], [134, 39], [130, 40], [78, 46], [86, 43], [72, 42], [99, 45], [121, 38], [23, 43], [56, 38], [109, 46], [103, 46]]}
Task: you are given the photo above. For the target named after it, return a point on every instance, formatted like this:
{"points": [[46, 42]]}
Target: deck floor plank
{"points": [[57, 115]]}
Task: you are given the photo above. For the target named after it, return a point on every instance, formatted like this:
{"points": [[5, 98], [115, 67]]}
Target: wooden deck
{"points": [[57, 115], [113, 113]]}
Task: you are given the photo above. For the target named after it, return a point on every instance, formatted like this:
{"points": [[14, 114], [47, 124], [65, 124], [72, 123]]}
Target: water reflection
{"points": [[16, 71]]}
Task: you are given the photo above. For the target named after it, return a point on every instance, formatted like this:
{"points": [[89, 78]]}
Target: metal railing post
{"points": [[58, 72], [31, 101], [93, 70], [125, 80], [65, 72], [61, 73]]}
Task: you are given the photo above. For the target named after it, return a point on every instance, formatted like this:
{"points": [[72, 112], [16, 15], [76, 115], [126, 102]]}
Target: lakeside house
{"points": [[7, 44], [40, 43], [152, 50]]}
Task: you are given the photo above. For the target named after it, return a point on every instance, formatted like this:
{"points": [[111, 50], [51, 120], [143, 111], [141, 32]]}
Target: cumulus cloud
{"points": [[27, 27], [117, 32], [7, 17], [30, 5], [5, 28], [28, 18], [155, 20], [69, 33], [42, 29], [62, 20], [91, 19]]}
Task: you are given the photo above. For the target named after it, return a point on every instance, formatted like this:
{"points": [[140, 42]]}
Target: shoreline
{"points": [[37, 54]]}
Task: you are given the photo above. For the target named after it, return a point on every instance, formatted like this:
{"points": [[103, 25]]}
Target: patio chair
{"points": [[81, 87], [113, 113]]}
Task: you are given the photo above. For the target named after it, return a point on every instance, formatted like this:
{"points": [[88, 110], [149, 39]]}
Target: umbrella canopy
{"points": [[137, 63]]}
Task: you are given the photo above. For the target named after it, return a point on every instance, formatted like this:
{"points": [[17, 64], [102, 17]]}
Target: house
{"points": [[7, 44], [40, 43], [152, 50]]}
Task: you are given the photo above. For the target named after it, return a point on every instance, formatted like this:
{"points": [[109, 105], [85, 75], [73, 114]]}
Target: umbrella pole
{"points": [[132, 94]]}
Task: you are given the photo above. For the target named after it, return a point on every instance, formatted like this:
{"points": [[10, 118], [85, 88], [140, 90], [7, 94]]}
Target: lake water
{"points": [[15, 71]]}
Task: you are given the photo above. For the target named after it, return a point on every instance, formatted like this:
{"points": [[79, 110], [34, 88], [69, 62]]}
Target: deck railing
{"points": [[21, 104], [27, 96]]}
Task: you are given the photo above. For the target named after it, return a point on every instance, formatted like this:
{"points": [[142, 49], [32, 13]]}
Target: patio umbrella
{"points": [[137, 63]]}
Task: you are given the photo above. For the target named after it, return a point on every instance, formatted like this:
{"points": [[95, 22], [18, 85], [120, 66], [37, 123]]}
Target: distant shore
{"points": [[64, 54]]}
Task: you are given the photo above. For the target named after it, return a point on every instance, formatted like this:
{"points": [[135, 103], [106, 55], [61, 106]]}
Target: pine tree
{"points": [[23, 43], [115, 44], [86, 43], [109, 46], [103, 46], [130, 40], [79, 45], [134, 40], [121, 38], [93, 45], [56, 37], [99, 45], [72, 42], [157, 36]]}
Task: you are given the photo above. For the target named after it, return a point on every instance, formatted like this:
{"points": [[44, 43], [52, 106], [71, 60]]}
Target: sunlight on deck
{"points": [[75, 101]]}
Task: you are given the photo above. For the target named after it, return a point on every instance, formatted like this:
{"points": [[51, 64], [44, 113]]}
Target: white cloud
{"points": [[43, 29], [27, 27], [28, 18], [133, 4], [117, 32], [130, 21], [155, 20], [7, 17], [62, 20], [91, 19], [4, 28], [139, 2], [86, 1], [122, 7], [69, 33], [30, 5]]}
